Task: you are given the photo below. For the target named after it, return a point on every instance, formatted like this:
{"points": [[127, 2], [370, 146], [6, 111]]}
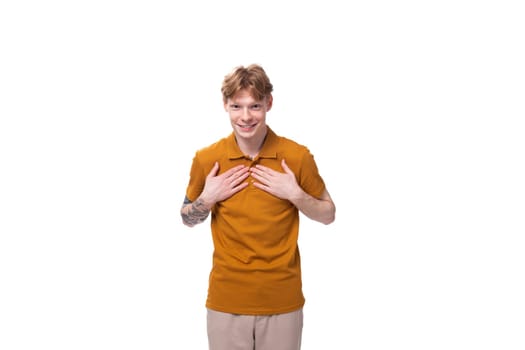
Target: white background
{"points": [[413, 110]]}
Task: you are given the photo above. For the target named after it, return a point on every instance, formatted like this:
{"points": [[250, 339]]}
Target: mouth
{"points": [[247, 127]]}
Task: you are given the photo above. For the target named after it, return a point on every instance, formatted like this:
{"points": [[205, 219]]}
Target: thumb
{"points": [[285, 167], [214, 170]]}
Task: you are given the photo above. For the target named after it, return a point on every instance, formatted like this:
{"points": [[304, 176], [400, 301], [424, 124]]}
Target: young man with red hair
{"points": [[254, 183]]}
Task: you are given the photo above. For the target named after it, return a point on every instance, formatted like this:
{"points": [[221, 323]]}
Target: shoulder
{"points": [[214, 150], [293, 145], [291, 148], [297, 155]]}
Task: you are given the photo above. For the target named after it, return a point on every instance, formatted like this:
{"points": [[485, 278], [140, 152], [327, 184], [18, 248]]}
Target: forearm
{"points": [[321, 210], [194, 213]]}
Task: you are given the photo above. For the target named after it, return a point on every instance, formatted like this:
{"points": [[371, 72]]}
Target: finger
{"points": [[239, 169], [241, 186], [262, 187], [238, 188], [256, 170], [214, 170], [285, 167], [240, 179], [261, 169], [261, 179], [241, 173], [257, 173]]}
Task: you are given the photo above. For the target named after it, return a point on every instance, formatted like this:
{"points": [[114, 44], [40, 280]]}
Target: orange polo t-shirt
{"points": [[256, 263]]}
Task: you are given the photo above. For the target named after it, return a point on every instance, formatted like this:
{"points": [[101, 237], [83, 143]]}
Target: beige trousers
{"points": [[246, 332]]}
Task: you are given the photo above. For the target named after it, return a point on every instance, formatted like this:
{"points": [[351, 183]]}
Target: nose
{"points": [[246, 114]]}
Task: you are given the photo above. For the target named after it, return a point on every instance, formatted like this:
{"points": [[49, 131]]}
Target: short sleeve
{"points": [[309, 178], [197, 180]]}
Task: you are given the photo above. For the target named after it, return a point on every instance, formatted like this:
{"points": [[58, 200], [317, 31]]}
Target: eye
{"points": [[234, 106], [256, 106]]}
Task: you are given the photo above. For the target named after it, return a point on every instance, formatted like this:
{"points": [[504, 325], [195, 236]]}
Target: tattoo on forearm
{"points": [[196, 212]]}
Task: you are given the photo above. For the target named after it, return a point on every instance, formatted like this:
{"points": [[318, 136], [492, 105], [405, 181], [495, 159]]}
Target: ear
{"points": [[269, 102], [225, 104]]}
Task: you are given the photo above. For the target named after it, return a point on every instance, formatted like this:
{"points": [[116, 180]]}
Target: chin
{"points": [[244, 134]]}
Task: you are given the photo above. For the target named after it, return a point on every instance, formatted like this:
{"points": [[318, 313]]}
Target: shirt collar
{"points": [[268, 149]]}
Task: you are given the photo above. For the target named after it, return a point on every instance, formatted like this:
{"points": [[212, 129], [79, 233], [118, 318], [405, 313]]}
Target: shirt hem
{"points": [[241, 311]]}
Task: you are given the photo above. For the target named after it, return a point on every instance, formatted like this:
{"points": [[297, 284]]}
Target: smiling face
{"points": [[248, 116]]}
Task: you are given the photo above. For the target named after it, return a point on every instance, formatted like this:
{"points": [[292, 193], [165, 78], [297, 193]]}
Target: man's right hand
{"points": [[220, 187]]}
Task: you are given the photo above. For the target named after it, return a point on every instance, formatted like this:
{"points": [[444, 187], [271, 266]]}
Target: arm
{"points": [[285, 186], [216, 188], [194, 213], [322, 209]]}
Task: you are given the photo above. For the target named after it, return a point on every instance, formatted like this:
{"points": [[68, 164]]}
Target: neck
{"points": [[252, 146]]}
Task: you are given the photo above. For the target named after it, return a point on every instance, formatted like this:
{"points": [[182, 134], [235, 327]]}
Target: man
{"points": [[254, 183]]}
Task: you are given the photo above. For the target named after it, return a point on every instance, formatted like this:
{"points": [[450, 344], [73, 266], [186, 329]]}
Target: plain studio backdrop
{"points": [[413, 110]]}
